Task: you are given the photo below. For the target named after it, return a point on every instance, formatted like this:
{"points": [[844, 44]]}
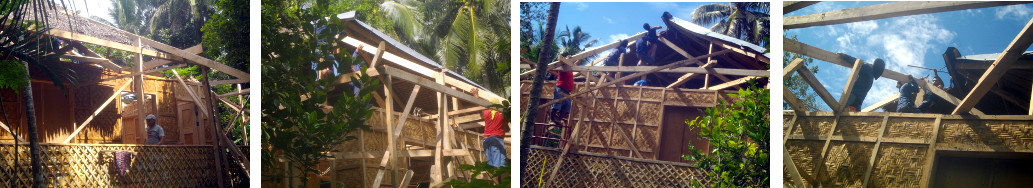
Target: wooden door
{"points": [[952, 171], [188, 125], [676, 135]]}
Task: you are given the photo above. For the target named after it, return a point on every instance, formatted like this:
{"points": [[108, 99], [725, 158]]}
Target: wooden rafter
{"points": [[881, 103], [818, 88], [103, 61], [793, 101], [587, 53], [430, 84], [791, 6], [196, 59], [997, 69], [196, 49], [732, 83], [844, 98], [688, 76], [698, 70], [62, 34], [190, 91], [885, 10], [235, 93]]}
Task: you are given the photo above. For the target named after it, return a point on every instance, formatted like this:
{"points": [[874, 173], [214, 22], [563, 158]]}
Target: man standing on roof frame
{"points": [[564, 85], [865, 77], [645, 47]]}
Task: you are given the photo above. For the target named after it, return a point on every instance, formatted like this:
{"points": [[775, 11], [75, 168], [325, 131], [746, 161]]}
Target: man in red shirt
{"points": [[564, 84], [495, 128]]}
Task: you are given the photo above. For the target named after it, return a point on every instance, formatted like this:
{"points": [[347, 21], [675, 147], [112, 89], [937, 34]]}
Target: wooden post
{"points": [[140, 97], [219, 160], [388, 119], [930, 155]]}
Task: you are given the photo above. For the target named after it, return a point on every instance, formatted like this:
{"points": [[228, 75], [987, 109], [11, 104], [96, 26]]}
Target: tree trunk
{"points": [[30, 115], [536, 87]]}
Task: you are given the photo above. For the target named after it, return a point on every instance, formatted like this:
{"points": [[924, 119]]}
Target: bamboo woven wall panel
{"points": [[993, 135], [813, 126], [692, 98], [864, 126], [805, 155], [105, 127], [898, 165], [585, 170], [910, 128], [84, 165], [846, 163]]}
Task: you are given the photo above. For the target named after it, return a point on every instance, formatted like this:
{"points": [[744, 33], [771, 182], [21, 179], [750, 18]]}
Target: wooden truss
{"points": [[994, 71], [163, 55], [448, 148], [600, 88]]}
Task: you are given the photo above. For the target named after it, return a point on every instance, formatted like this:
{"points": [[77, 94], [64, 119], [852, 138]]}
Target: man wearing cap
{"points": [[155, 134]]}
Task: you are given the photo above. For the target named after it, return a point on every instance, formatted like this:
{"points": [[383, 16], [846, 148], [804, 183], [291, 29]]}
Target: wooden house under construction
{"points": [[634, 136], [428, 120], [82, 126], [976, 135]]}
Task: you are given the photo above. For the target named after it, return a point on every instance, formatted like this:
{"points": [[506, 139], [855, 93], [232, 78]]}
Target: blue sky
{"points": [[609, 22], [918, 40]]}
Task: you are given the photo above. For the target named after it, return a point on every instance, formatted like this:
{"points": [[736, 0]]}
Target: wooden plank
{"points": [[405, 179], [135, 74], [882, 103], [788, 70], [791, 6], [8, 129], [793, 101], [689, 76], [930, 156], [377, 56], [698, 70], [791, 167], [1017, 47], [733, 83], [230, 81], [140, 97], [62, 34], [885, 10], [622, 79], [818, 88], [686, 55], [587, 53], [844, 98], [405, 111], [400, 74], [117, 93], [392, 143], [196, 59], [197, 100], [196, 49], [86, 51], [235, 93], [875, 152], [825, 150]]}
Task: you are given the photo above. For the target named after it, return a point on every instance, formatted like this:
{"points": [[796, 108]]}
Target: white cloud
{"points": [[580, 6], [1017, 12], [617, 37], [608, 20], [864, 27]]}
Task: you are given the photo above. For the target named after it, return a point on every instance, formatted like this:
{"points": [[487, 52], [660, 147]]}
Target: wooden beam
{"points": [[230, 81], [400, 74], [196, 49], [622, 79], [793, 101], [196, 59], [1017, 47], [141, 106], [791, 6], [930, 156], [378, 55], [885, 10], [844, 98], [788, 70], [587, 53], [818, 88], [698, 70], [791, 167], [86, 51], [95, 112], [110, 44], [136, 74], [8, 129], [405, 179], [405, 112], [687, 55], [688, 76], [882, 103], [190, 91], [422, 70], [732, 83], [235, 93]]}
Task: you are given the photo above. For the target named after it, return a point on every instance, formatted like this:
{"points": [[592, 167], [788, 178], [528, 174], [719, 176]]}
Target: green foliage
{"points": [[738, 133], [303, 131], [501, 174], [225, 36], [796, 84], [748, 21], [13, 76]]}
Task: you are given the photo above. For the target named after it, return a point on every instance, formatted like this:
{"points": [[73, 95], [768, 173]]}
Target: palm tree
{"points": [[536, 85], [22, 44], [461, 34], [574, 42], [131, 15], [743, 20]]}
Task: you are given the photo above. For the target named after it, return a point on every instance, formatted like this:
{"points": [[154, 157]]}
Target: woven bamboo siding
{"points": [[86, 165], [635, 110], [593, 170], [902, 158]]}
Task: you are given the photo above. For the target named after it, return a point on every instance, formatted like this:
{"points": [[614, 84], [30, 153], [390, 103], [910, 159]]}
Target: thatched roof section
{"points": [[62, 20]]}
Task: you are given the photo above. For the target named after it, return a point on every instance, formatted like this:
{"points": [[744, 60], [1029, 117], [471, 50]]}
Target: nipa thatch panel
{"points": [[898, 165], [652, 94], [691, 98], [649, 113], [859, 126], [646, 137], [912, 128], [805, 155]]}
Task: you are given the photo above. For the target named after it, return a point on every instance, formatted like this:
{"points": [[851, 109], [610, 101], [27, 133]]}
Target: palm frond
{"points": [[710, 13]]}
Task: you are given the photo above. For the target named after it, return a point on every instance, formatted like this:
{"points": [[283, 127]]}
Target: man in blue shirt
{"points": [[865, 77], [614, 58], [645, 47], [908, 93]]}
